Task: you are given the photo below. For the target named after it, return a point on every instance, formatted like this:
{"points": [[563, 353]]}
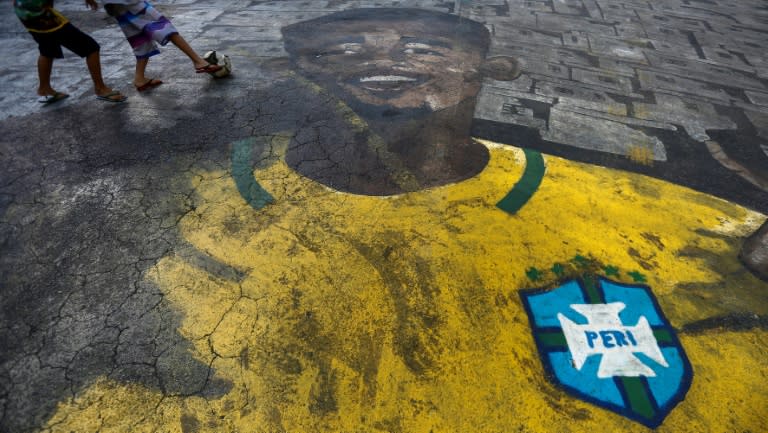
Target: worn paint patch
{"points": [[401, 313]]}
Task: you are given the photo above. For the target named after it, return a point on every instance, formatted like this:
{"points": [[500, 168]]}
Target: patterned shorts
{"points": [[143, 26]]}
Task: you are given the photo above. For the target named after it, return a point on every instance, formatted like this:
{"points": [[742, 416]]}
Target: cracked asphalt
{"points": [[276, 252]]}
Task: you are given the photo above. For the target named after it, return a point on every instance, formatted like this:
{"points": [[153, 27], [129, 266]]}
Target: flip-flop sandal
{"points": [[150, 84], [50, 99], [109, 97], [209, 68]]}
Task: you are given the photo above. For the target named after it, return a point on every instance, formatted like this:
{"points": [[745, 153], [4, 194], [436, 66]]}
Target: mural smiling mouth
{"points": [[386, 84]]}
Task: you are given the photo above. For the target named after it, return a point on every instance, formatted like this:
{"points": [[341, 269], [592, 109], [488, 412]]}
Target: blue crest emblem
{"points": [[609, 344]]}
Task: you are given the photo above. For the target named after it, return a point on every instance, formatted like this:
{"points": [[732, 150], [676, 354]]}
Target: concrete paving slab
{"points": [[576, 129]]}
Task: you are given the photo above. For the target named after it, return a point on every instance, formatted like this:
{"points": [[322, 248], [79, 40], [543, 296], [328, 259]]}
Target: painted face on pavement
{"points": [[396, 61]]}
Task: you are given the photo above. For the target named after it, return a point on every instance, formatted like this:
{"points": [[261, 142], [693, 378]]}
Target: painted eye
{"points": [[419, 51], [417, 46], [343, 49], [423, 52], [352, 48], [334, 53]]}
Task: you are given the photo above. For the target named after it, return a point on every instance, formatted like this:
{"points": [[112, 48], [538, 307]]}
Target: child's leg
{"points": [[44, 69], [163, 31], [146, 21], [140, 76], [85, 46], [132, 21], [50, 48], [181, 43], [93, 61]]}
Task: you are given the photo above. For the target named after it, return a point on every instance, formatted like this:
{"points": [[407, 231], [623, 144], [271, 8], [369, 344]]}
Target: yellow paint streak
{"points": [[641, 155], [401, 314], [620, 110]]}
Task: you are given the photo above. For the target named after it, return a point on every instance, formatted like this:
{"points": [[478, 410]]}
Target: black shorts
{"points": [[69, 37]]}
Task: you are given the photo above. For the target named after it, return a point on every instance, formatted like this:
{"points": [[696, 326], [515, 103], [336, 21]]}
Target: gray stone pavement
{"points": [[90, 192]]}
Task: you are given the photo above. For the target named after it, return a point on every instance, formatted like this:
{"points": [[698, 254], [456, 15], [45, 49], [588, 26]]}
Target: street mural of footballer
{"points": [[358, 267]]}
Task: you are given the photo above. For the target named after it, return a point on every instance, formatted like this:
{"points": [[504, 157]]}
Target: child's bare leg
{"points": [[93, 61], [182, 44], [44, 69], [140, 77]]}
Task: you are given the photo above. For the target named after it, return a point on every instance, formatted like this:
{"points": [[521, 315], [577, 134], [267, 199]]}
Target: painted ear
{"points": [[500, 68]]}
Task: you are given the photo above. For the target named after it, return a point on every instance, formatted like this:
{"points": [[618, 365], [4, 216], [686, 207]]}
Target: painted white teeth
{"points": [[386, 78]]}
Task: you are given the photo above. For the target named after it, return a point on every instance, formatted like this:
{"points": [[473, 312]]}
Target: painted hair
{"points": [[473, 33]]}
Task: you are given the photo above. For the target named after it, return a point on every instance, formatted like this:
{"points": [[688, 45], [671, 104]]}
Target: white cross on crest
{"points": [[607, 336]]}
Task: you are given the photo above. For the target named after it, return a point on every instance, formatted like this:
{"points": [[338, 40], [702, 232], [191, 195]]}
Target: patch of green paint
{"points": [[611, 271], [580, 261], [638, 397], [533, 274], [553, 339], [637, 276], [662, 336], [528, 184], [558, 269], [590, 286], [242, 172]]}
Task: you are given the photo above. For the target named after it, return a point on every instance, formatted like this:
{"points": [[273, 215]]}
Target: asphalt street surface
{"points": [[393, 216]]}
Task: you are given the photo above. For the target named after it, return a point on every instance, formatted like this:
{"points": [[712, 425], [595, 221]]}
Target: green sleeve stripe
{"points": [[527, 186], [242, 172]]}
